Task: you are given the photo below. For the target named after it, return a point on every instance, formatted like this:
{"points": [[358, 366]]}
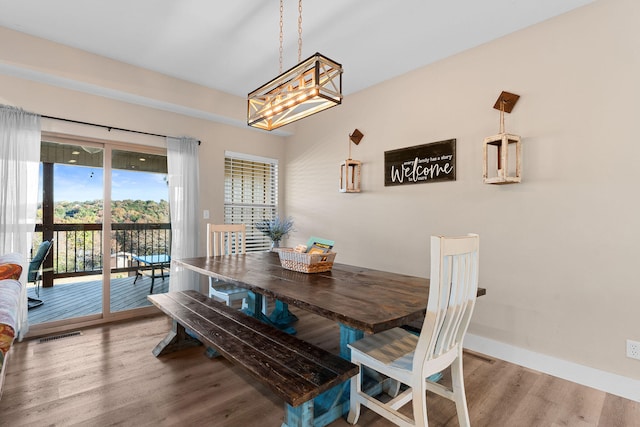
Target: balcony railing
{"points": [[77, 249]]}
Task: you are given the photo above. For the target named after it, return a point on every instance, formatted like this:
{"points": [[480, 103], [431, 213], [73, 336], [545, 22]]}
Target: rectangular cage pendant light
{"points": [[312, 86]]}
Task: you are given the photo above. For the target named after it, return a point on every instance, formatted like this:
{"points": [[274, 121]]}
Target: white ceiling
{"points": [[232, 45]]}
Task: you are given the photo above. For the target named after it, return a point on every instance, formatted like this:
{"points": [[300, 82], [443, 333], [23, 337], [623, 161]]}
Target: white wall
{"points": [[559, 250]]}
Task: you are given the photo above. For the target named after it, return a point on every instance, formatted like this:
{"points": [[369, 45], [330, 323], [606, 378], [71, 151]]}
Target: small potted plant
{"points": [[276, 229]]}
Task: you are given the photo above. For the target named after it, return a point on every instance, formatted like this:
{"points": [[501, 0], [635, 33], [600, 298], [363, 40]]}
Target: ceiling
{"points": [[233, 45]]}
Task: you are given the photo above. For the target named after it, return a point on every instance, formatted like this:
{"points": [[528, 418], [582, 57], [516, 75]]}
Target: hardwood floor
{"points": [[108, 376]]}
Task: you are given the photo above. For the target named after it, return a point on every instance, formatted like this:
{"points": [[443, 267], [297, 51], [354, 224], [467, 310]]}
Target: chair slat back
{"points": [[452, 295], [38, 259], [226, 239]]}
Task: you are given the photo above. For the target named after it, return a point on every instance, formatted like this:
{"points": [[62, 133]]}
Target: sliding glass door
{"points": [[70, 215], [140, 228], [78, 180]]}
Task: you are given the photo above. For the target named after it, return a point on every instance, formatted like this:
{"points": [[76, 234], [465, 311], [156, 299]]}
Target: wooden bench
{"points": [[295, 370]]}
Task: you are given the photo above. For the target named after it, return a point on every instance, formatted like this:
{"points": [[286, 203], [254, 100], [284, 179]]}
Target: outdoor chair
{"points": [[410, 359], [35, 271]]}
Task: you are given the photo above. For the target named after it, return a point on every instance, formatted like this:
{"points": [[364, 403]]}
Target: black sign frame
{"points": [[433, 162]]}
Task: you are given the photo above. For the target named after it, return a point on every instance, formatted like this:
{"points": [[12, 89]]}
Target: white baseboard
{"points": [[590, 377]]}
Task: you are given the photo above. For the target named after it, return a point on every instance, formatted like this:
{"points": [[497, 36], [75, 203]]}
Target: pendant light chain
{"points": [[299, 31], [281, 33]]}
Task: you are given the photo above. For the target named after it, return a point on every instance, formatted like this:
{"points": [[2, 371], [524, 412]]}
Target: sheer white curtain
{"points": [[182, 164], [19, 160]]}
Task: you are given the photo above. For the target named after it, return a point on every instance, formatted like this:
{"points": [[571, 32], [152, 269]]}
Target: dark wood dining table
{"points": [[361, 300]]}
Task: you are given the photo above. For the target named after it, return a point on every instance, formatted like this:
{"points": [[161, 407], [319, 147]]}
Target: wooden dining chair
{"points": [[411, 359], [227, 239]]}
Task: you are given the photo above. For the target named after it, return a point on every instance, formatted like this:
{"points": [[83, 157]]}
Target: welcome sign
{"points": [[421, 163]]}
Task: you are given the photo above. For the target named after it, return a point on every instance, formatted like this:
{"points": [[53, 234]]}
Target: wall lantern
{"points": [[505, 161], [350, 169]]}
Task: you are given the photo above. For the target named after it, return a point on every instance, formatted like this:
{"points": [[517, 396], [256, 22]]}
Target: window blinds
{"points": [[250, 195]]}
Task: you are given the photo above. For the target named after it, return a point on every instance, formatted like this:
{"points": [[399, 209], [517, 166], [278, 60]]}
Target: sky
{"points": [[81, 183]]}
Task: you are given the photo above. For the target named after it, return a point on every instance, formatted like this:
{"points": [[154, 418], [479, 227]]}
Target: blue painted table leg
{"points": [[281, 314], [347, 336], [254, 302]]}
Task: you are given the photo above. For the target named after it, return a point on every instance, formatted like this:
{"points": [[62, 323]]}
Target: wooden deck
{"points": [[65, 301]]}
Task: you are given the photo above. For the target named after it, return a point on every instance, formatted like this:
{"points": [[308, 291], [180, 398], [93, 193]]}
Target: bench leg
{"points": [[176, 339], [319, 412], [298, 416], [212, 353]]}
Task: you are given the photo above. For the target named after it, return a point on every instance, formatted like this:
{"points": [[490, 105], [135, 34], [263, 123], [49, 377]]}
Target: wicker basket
{"points": [[306, 263]]}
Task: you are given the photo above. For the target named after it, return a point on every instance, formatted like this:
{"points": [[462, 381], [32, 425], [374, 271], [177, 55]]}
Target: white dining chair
{"points": [[228, 239], [410, 359]]}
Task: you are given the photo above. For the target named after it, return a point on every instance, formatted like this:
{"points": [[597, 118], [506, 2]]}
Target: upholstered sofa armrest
{"points": [[9, 300], [12, 258]]}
